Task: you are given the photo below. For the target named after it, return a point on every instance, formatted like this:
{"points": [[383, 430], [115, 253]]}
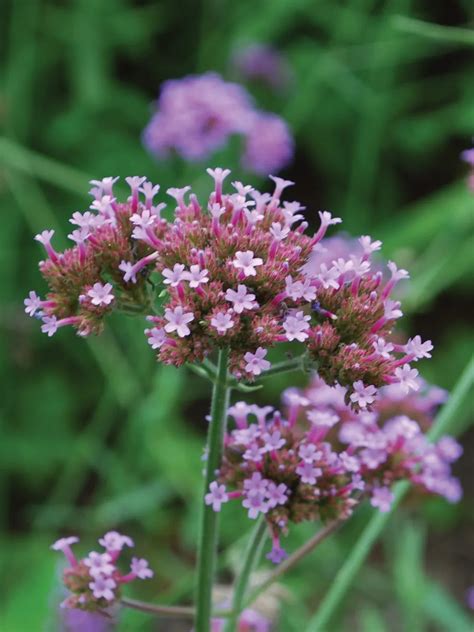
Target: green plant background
{"points": [[95, 435]]}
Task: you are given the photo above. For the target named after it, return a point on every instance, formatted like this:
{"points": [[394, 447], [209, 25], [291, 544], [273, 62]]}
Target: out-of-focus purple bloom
{"points": [[269, 145], [196, 116], [75, 620], [262, 63]]}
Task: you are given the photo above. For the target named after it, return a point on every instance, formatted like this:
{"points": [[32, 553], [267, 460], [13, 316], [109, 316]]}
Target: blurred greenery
{"points": [[94, 434]]}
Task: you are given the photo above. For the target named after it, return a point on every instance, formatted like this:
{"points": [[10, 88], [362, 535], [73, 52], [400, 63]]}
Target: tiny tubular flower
{"points": [[296, 326], [363, 395], [103, 588], [222, 321], [407, 378], [255, 362], [241, 299], [140, 568], [196, 276], [156, 337], [100, 564], [178, 321], [101, 294], [246, 262], [217, 496]]}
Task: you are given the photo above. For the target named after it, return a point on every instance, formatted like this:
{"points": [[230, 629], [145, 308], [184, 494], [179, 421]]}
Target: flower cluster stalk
{"points": [[207, 548]]}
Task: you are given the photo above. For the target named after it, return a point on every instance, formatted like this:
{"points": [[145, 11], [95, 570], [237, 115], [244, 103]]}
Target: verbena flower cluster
{"points": [[196, 115], [237, 272], [319, 458], [95, 581]]}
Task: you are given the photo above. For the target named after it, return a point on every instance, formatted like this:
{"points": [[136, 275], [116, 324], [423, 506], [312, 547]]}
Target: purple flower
{"points": [[262, 63], [32, 304], [115, 541], [50, 325], [217, 496], [100, 564], [322, 418], [406, 377], [418, 349], [383, 348], [254, 453], [308, 473], [101, 294], [246, 262], [277, 554], [273, 440], [222, 322], [276, 494], [175, 276], [102, 588], [139, 567], [296, 326], [196, 276], [64, 545], [363, 395], [256, 484], [255, 362], [178, 321], [156, 337], [256, 503], [382, 498], [309, 453], [241, 300], [269, 146]]}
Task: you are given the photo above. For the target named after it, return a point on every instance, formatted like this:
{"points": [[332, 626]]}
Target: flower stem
{"points": [[288, 564], [444, 422], [209, 519], [250, 560], [284, 367], [183, 612]]}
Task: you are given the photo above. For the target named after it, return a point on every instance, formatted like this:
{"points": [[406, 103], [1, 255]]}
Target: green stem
{"points": [[344, 578], [209, 519], [182, 612], [284, 367], [250, 560]]}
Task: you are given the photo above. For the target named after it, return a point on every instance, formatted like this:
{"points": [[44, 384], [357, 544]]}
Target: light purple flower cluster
{"points": [[321, 458], [95, 581], [238, 272], [196, 115]]}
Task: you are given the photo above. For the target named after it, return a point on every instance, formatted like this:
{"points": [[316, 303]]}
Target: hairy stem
{"points": [[250, 560], [445, 422], [207, 548]]}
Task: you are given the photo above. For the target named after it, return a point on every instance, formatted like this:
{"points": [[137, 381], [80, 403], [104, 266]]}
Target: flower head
{"points": [[238, 265], [94, 582]]}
